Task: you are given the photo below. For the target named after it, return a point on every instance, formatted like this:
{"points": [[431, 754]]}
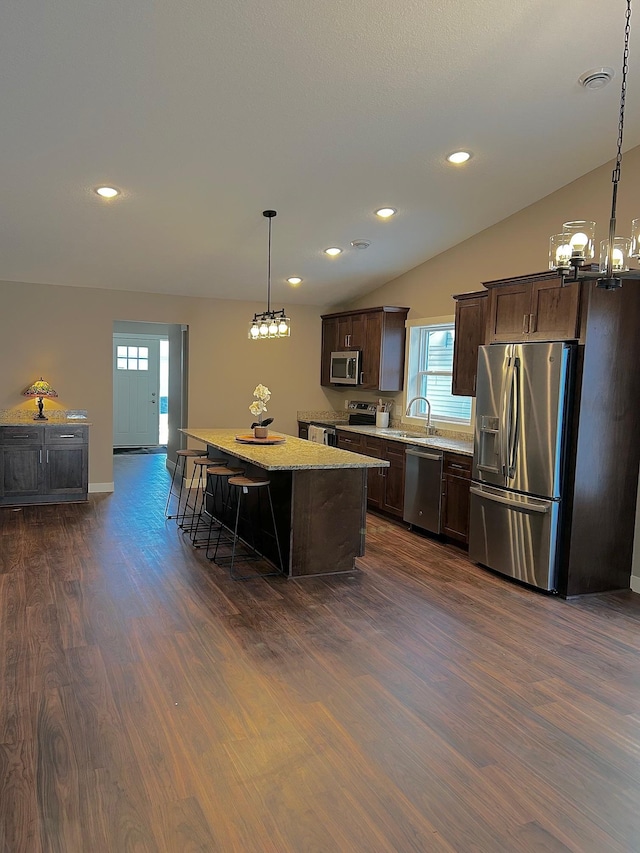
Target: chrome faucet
{"points": [[430, 429]]}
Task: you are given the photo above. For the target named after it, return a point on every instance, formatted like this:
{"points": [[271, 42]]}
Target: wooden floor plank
{"points": [[150, 703]]}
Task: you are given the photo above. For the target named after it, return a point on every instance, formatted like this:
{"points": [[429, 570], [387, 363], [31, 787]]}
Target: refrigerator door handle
{"points": [[513, 433], [505, 417], [524, 505]]}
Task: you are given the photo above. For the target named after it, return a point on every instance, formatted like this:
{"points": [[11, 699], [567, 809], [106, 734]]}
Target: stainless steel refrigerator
{"points": [[522, 410]]}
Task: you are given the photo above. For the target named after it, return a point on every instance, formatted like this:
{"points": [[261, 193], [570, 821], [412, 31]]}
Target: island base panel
{"points": [[328, 520]]}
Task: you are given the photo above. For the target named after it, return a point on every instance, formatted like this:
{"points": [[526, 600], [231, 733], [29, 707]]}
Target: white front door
{"points": [[136, 391]]}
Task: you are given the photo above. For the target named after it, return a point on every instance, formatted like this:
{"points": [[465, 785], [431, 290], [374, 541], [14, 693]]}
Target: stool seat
{"points": [[191, 452], [249, 482], [222, 470]]}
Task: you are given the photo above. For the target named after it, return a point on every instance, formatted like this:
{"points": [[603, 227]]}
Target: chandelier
{"points": [[574, 248], [269, 324]]}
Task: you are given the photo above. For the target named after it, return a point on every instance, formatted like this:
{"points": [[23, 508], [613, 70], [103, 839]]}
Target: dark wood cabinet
{"points": [[470, 326], [379, 334], [43, 464], [375, 476], [536, 307], [456, 482], [385, 486], [352, 441], [393, 498]]}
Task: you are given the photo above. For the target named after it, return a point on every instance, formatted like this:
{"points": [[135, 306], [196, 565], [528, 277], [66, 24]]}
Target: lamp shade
{"points": [[40, 388]]}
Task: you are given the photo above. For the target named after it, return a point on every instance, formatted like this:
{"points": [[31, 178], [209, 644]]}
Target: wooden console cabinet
{"points": [[43, 463], [379, 333]]}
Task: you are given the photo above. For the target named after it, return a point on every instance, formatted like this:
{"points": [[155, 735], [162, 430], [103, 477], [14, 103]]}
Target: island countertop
{"points": [[294, 454]]}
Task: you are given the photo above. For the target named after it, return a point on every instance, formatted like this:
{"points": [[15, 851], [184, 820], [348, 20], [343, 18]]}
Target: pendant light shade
{"points": [[269, 324]]}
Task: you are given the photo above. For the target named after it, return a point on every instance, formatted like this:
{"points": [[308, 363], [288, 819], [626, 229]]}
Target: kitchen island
{"points": [[319, 497]]}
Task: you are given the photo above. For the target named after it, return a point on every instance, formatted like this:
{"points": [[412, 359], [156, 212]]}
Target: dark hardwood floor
{"points": [[149, 703]]}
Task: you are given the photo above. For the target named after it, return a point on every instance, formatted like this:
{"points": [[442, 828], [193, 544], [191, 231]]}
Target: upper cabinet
{"points": [[535, 307], [379, 334], [471, 311]]}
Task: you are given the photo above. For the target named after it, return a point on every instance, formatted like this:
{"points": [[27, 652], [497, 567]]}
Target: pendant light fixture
{"points": [[575, 246], [269, 324]]}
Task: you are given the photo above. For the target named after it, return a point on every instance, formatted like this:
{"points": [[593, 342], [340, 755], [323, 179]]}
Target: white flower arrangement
{"points": [[259, 405]]}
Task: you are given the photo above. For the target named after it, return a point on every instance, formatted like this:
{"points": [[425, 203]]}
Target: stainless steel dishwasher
{"points": [[423, 488]]}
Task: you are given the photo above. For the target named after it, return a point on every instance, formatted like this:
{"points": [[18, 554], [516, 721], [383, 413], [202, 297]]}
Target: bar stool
{"points": [[189, 516], [216, 476], [239, 486], [179, 469]]}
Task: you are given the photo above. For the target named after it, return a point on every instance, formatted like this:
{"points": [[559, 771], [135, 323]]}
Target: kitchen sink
{"points": [[399, 433]]}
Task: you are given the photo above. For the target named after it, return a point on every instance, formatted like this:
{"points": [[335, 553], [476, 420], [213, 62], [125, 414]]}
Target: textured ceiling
{"points": [[206, 113]]}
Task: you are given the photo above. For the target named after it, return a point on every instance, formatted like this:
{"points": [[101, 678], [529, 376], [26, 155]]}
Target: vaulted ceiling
{"points": [[205, 113]]}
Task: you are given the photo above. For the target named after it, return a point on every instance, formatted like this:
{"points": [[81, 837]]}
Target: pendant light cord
{"points": [[616, 172], [269, 214]]}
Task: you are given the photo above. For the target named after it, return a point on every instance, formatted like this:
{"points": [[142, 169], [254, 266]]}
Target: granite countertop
{"points": [[438, 442], [14, 422], [295, 454]]}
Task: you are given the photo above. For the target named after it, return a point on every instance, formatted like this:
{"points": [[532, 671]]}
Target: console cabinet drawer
{"points": [[16, 435], [66, 435]]}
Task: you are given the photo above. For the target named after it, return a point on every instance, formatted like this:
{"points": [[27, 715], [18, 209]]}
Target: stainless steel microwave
{"points": [[345, 368]]}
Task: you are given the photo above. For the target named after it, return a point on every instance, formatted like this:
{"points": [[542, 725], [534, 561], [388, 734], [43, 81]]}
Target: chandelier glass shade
{"points": [[269, 323]]}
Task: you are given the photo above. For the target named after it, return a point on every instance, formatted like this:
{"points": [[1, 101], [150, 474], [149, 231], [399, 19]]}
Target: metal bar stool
{"points": [[239, 486], [179, 470], [217, 490], [187, 520]]}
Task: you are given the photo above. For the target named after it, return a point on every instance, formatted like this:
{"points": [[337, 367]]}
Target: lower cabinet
{"points": [[393, 498], [43, 464], [385, 486], [456, 481]]}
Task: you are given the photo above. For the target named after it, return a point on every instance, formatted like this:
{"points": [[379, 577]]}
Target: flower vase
{"points": [[260, 432]]}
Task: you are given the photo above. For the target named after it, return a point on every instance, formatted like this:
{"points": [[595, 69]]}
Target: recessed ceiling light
{"points": [[458, 157], [333, 250], [294, 280], [107, 192], [386, 212]]}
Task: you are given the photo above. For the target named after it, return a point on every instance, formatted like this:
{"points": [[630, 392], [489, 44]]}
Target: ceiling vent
{"points": [[597, 78]]}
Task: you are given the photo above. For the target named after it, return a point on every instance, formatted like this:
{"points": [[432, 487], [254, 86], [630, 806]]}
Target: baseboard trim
{"points": [[635, 583], [101, 487]]}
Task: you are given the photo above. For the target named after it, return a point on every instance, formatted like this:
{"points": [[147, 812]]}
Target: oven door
{"points": [[345, 368]]}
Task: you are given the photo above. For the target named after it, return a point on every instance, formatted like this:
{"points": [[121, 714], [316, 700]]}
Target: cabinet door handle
{"points": [[532, 323], [525, 323], [22, 435], [40, 452], [47, 457], [68, 435], [455, 465]]}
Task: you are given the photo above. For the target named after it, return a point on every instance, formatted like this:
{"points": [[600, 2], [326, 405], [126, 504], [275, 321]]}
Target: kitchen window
{"points": [[430, 373]]}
